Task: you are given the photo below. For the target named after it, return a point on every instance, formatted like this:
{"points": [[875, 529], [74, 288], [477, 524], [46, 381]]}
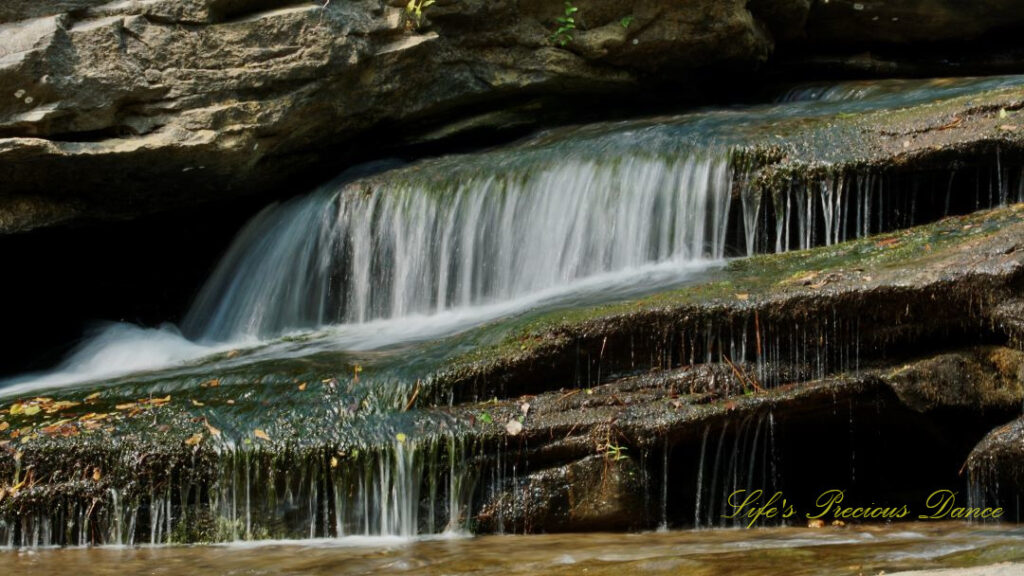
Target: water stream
{"points": [[828, 552], [399, 271]]}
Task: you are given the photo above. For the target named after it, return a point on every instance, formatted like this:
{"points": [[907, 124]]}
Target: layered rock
{"points": [[114, 109], [588, 419]]}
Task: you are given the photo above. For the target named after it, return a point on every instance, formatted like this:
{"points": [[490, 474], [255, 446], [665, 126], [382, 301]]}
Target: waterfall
{"points": [[416, 243], [414, 487]]}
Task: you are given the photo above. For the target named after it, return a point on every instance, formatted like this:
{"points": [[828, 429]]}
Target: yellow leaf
{"points": [[197, 403], [743, 297], [334, 461], [60, 406], [213, 431], [16, 409], [128, 406], [261, 434], [401, 437], [92, 396], [96, 474], [31, 410], [93, 416], [4, 426], [160, 401], [194, 439], [302, 387]]}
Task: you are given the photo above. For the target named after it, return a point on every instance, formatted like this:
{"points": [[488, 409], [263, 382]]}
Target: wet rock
{"points": [[600, 492], [985, 378], [879, 295], [863, 22], [589, 454], [996, 466]]}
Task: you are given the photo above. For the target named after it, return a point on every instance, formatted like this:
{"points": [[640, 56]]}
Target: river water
{"points": [[791, 551]]}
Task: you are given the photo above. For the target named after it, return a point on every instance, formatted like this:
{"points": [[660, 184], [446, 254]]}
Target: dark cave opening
{"points": [[877, 451]]}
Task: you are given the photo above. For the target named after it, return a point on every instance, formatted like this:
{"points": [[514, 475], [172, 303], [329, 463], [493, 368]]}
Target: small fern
{"points": [[566, 25]]}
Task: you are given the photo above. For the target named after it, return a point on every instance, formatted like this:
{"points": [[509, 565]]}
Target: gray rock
{"points": [[115, 109]]}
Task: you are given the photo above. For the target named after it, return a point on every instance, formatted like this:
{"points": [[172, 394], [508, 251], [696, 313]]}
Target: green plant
{"points": [[614, 450], [625, 22], [566, 25], [414, 9]]}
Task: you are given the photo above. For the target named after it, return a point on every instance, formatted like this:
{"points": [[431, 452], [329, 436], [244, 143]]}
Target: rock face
{"points": [[649, 426], [113, 109]]}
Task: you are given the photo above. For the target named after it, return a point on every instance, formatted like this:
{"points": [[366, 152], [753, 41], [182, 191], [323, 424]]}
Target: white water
{"points": [[406, 262], [114, 350], [406, 249], [433, 249]]}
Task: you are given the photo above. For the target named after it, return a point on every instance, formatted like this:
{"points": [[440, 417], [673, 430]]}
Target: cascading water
{"points": [[406, 246], [466, 233]]}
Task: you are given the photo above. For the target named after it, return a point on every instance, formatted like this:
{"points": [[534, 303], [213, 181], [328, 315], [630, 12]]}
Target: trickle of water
{"points": [[401, 490]]}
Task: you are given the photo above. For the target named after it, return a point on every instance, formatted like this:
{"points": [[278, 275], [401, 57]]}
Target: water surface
{"points": [[788, 550]]}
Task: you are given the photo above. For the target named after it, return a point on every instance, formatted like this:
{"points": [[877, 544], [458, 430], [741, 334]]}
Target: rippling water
{"points": [[791, 551]]}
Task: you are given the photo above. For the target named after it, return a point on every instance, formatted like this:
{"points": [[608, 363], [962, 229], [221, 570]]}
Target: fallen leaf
{"points": [[197, 403], [31, 410], [96, 474], [160, 401], [210, 383], [743, 297], [194, 439], [4, 426], [400, 437], [302, 387], [213, 431], [261, 434], [1008, 128], [334, 461], [887, 242], [525, 408], [128, 406], [60, 406], [93, 416], [514, 427], [92, 396]]}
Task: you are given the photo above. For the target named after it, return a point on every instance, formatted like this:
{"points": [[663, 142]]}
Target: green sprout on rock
{"points": [[566, 25]]}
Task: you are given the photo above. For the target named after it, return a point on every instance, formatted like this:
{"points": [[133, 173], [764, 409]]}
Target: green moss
{"points": [[744, 282]]}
